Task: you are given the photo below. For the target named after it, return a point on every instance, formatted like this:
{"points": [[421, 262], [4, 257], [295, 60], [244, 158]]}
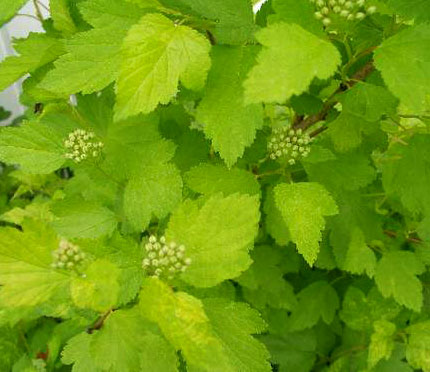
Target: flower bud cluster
{"points": [[164, 259], [68, 256], [350, 10], [82, 145], [290, 143]]}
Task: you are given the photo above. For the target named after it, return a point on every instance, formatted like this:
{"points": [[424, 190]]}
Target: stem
{"points": [[38, 11], [27, 15], [43, 6], [99, 322], [331, 102]]}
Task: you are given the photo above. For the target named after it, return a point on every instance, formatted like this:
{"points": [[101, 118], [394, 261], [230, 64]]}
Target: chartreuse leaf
{"points": [[227, 120], [417, 9], [157, 49], [404, 62], [60, 14], [303, 207], [301, 12], [76, 218], [359, 311], [86, 69], [290, 55], [234, 323], [357, 220], [396, 276], [133, 144], [318, 300], [146, 3], [362, 107], [418, 346], [8, 8], [155, 190], [125, 343], [213, 335], [184, 323], [233, 20], [98, 289], [349, 171], [275, 223], [77, 352], [381, 342], [359, 258], [406, 163], [208, 179], [26, 275], [217, 236], [37, 146], [35, 51], [117, 13]]}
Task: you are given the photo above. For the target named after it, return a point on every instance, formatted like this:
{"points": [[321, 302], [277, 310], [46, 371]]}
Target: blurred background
{"points": [[20, 27]]}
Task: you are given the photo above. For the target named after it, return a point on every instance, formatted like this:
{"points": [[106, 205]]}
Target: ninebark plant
{"points": [[195, 187]]}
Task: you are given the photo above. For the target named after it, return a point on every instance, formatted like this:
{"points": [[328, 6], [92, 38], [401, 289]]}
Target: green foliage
{"points": [[292, 55], [303, 207], [193, 187], [157, 49]]}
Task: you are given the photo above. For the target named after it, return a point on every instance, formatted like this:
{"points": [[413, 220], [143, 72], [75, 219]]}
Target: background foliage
{"points": [[197, 188]]}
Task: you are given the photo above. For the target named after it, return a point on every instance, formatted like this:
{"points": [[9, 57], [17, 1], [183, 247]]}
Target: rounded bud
{"points": [[360, 16], [152, 255], [320, 3], [60, 265], [291, 161], [146, 262], [187, 261], [152, 239], [349, 5], [154, 262], [360, 2], [350, 17], [371, 10], [332, 2], [70, 265], [148, 247], [325, 10], [163, 240], [337, 9], [279, 153]]}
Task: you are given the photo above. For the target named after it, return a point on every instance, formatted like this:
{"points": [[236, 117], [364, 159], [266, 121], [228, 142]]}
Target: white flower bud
{"points": [[337, 9], [187, 261], [152, 255], [163, 240], [371, 10], [344, 13], [146, 262], [325, 10], [360, 16], [291, 161], [349, 5], [152, 239]]}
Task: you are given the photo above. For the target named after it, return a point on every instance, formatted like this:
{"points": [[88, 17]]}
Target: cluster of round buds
{"points": [[164, 259], [348, 9], [290, 143], [68, 256], [82, 145]]}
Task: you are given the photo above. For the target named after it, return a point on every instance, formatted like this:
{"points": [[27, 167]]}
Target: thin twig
{"points": [[38, 11], [330, 103], [99, 322], [27, 15]]}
